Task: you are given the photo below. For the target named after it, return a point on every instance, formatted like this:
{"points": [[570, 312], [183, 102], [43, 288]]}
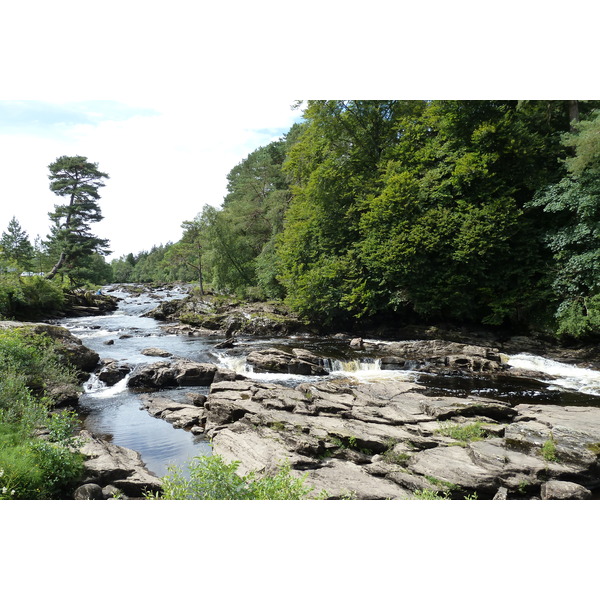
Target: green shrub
{"points": [[17, 406], [472, 432], [211, 478], [34, 469], [23, 353], [548, 450], [27, 297], [31, 467]]}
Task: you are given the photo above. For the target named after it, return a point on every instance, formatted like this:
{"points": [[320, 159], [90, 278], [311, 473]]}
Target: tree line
{"points": [[477, 212]]}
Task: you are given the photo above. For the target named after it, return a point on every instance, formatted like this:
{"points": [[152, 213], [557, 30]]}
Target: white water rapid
{"points": [[586, 381]]}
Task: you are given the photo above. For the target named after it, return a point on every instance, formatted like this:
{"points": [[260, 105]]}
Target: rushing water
{"points": [[115, 412]]}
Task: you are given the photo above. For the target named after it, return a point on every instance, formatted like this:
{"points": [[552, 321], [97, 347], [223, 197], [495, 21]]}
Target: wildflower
{"points": [[12, 492], [4, 490]]}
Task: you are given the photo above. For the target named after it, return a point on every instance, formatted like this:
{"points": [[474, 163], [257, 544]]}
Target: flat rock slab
{"points": [[341, 479], [172, 374], [257, 451], [574, 431], [181, 416], [454, 465]]}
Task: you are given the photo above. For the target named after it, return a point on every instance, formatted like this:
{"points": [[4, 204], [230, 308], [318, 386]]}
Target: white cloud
{"points": [[163, 168]]}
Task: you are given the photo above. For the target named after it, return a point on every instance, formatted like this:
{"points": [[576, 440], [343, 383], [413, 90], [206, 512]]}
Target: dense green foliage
{"points": [[478, 212], [211, 478], [28, 297], [572, 232], [32, 467]]}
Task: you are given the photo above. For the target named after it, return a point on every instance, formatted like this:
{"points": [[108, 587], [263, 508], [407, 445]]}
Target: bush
{"points": [[211, 478], [33, 357], [27, 297], [34, 469]]}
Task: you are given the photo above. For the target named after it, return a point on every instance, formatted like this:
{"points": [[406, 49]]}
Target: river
{"points": [[115, 413]]}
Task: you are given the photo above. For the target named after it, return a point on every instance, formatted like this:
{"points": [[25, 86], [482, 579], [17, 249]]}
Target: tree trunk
{"points": [[57, 266], [573, 113]]}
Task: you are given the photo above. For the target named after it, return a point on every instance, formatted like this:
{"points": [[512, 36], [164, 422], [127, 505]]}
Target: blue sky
{"points": [[166, 160]]}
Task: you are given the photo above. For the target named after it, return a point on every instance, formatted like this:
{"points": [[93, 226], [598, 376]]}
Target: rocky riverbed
{"points": [[389, 437], [386, 439]]}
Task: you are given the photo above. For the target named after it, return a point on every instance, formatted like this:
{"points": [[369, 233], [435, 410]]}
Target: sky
{"points": [[165, 160]]}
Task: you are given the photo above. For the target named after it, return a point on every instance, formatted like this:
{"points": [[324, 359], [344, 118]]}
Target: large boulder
{"points": [[564, 490], [112, 372], [178, 373], [297, 362]]}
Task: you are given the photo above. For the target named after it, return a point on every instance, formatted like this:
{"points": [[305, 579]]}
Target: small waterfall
{"points": [[352, 366], [98, 389]]}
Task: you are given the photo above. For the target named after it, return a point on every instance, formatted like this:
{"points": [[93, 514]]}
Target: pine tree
{"points": [[15, 245], [70, 237]]}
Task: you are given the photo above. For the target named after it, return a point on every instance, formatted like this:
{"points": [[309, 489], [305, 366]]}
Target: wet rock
{"points": [[273, 360], [440, 355], [112, 372], [156, 352], [564, 490], [392, 363], [181, 416], [196, 399], [178, 373], [228, 343]]}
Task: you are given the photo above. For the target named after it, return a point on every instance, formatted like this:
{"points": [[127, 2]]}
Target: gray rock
{"points": [[178, 373], [564, 490], [453, 465], [113, 372], [156, 352], [181, 416], [445, 408], [88, 491], [501, 494], [341, 479], [273, 360], [573, 431], [108, 464]]}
